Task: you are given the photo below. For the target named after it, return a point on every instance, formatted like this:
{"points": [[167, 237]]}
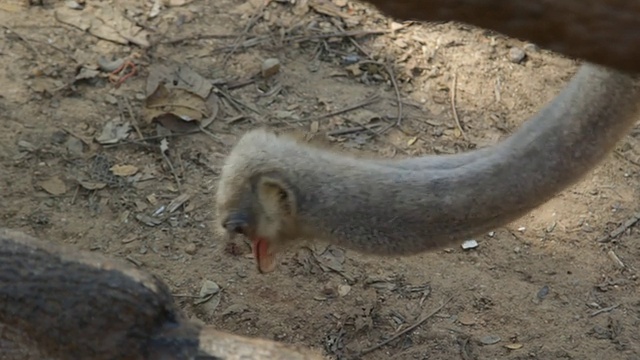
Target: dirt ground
{"points": [[545, 287]]}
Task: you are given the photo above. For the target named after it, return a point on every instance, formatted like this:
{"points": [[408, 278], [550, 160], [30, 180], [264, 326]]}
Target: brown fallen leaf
{"points": [[326, 7], [92, 185], [113, 132], [105, 22], [123, 170], [177, 202], [179, 98], [54, 186]]}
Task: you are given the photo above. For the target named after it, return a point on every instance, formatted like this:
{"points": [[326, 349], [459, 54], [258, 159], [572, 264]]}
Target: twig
{"points": [[173, 171], [186, 296], [391, 77], [604, 310], [134, 121], [405, 331], [616, 260], [199, 37], [352, 33], [396, 88], [620, 155], [453, 106], [355, 106], [246, 29], [302, 38], [235, 101], [351, 130], [27, 42], [620, 229]]}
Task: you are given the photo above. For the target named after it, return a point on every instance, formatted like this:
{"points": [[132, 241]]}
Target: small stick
{"points": [[392, 77], [299, 39], [250, 24], [616, 259], [604, 310], [396, 88], [173, 170], [199, 37], [27, 42], [453, 106], [405, 331], [355, 106], [351, 130], [620, 229]]}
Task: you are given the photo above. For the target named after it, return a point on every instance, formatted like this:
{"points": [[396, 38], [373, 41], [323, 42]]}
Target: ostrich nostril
{"points": [[235, 225]]}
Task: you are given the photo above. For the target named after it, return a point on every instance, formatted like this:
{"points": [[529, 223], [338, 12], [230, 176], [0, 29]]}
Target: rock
{"points": [[270, 67], [469, 244], [490, 339], [516, 55], [191, 249]]}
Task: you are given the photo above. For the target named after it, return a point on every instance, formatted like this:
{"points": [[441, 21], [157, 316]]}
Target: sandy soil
{"points": [[542, 288]]}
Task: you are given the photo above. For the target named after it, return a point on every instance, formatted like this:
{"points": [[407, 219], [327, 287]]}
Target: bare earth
{"points": [[542, 288]]}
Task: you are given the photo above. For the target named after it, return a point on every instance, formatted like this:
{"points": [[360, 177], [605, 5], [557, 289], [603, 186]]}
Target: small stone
{"points": [[469, 244], [516, 55], [270, 67], [344, 289], [74, 5], [59, 137], [25, 145], [543, 292], [490, 339], [466, 319], [74, 146], [531, 48], [191, 249], [110, 99]]}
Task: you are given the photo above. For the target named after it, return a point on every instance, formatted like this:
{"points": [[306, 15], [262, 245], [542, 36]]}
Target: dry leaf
{"points": [[123, 170], [177, 202], [105, 22], [207, 291], [514, 346], [113, 132], [92, 185], [412, 141], [466, 319], [180, 76], [179, 99], [54, 186], [332, 259], [326, 7]]}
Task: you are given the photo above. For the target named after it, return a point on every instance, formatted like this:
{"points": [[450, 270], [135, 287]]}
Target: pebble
{"points": [[543, 292], [490, 339], [469, 244], [270, 67], [516, 55], [344, 289], [191, 249], [74, 146]]}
